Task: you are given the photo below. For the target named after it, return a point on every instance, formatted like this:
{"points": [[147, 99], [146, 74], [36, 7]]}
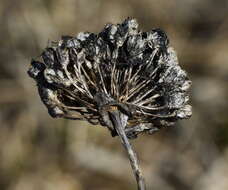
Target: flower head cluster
{"points": [[120, 68]]}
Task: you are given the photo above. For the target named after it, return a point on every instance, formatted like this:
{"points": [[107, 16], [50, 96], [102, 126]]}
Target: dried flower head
{"points": [[121, 78], [136, 72]]}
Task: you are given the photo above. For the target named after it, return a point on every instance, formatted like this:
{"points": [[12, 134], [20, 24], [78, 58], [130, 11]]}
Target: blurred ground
{"points": [[38, 152]]}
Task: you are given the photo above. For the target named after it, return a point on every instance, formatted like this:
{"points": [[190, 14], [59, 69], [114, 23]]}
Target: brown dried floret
{"points": [[136, 71], [119, 77]]}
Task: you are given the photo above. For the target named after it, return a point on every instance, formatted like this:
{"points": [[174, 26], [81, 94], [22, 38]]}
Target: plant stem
{"points": [[115, 117]]}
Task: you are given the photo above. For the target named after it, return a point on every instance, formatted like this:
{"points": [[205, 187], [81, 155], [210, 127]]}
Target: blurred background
{"points": [[41, 153]]}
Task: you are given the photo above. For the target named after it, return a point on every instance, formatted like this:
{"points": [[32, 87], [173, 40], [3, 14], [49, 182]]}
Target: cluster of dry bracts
{"points": [[121, 78], [120, 68]]}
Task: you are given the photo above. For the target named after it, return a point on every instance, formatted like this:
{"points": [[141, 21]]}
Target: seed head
{"points": [[120, 68]]}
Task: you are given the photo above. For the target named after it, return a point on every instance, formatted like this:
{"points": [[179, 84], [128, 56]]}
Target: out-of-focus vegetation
{"points": [[38, 152]]}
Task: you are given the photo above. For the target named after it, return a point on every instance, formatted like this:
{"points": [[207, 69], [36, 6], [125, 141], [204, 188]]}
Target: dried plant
{"points": [[124, 79]]}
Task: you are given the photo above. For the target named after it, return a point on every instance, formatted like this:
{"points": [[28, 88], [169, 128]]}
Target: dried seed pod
{"points": [[136, 71], [121, 78]]}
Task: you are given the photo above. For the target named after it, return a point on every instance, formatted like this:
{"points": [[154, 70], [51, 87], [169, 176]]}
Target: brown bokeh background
{"points": [[41, 153]]}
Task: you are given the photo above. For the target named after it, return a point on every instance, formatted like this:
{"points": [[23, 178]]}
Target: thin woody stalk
{"points": [[118, 125]]}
